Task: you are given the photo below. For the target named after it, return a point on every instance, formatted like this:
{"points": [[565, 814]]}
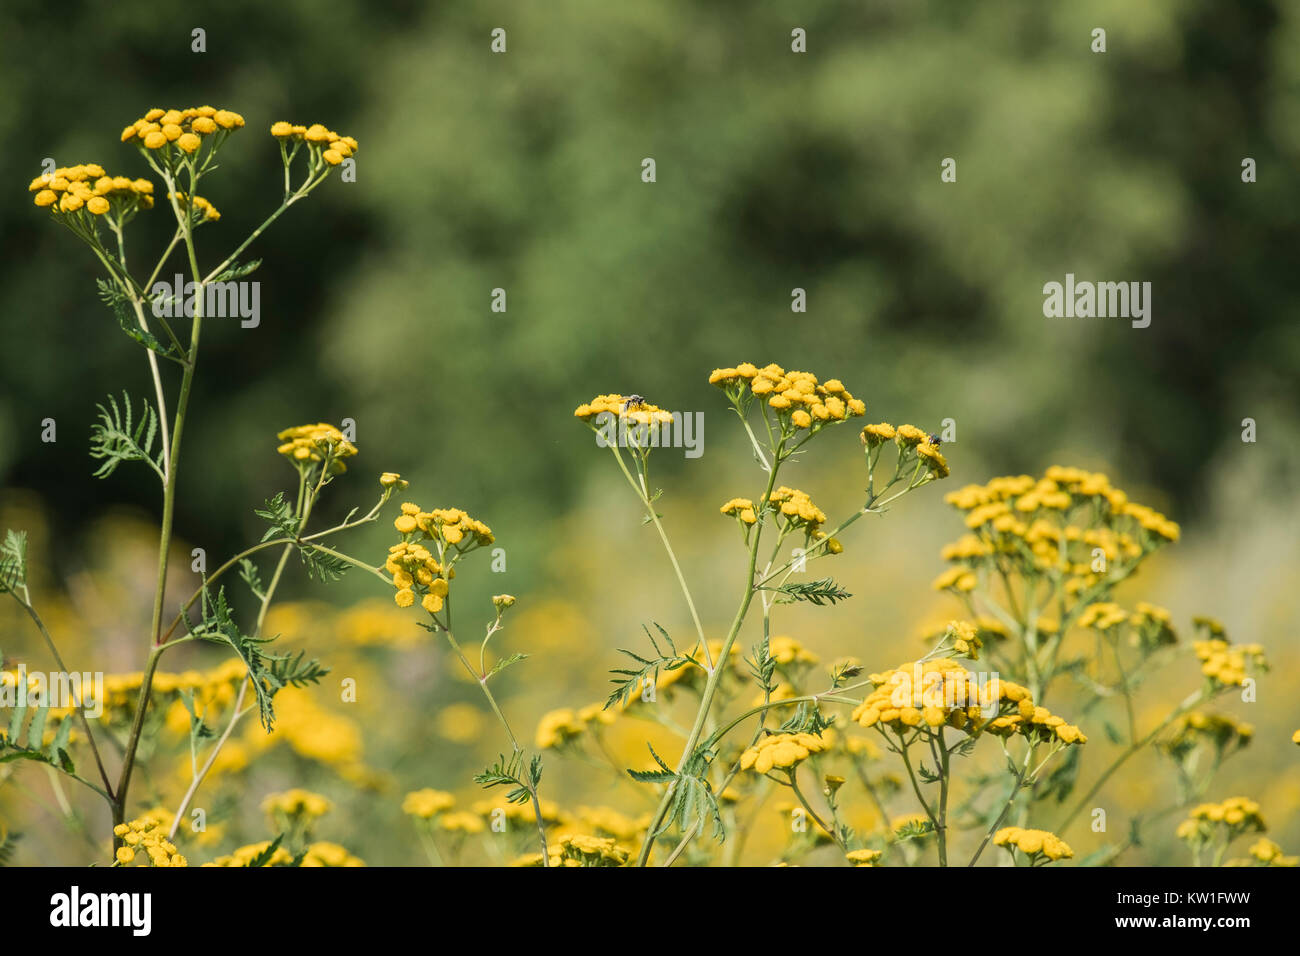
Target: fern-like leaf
{"points": [[117, 437]]}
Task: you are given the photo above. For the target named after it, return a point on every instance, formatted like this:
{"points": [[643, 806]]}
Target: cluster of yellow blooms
{"points": [[316, 733], [1218, 730], [427, 803], [1225, 663], [862, 857], [797, 397], [245, 855], [942, 692], [1151, 625], [146, 836], [965, 638], [436, 808], [1237, 814], [317, 854], [522, 813], [934, 693], [309, 444], [908, 437], [450, 526], [296, 803], [559, 727], [609, 822], [1051, 524], [333, 147], [184, 129], [1268, 853], [781, 751], [793, 508], [72, 189], [631, 407], [415, 569], [1033, 843], [579, 850], [742, 508], [204, 210], [461, 822], [212, 690], [330, 854], [787, 651], [797, 510]]}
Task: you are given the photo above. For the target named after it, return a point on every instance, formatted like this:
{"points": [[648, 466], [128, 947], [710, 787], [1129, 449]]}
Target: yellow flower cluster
{"points": [[797, 510], [427, 803], [862, 857], [742, 508], [965, 638], [1033, 722], [1103, 616], [414, 568], [74, 189], [934, 693], [183, 129], [1152, 625], [797, 397], [1220, 731], [1237, 814], [607, 821], [212, 690], [522, 813], [308, 444], [958, 578], [330, 854], [631, 407], [245, 855], [786, 651], [1225, 663], [1055, 523], [317, 733], [333, 148], [1033, 843], [1270, 854], [297, 803], [146, 836], [204, 210], [579, 850], [460, 822], [782, 751], [450, 526], [941, 692], [908, 438], [559, 727], [878, 434]]}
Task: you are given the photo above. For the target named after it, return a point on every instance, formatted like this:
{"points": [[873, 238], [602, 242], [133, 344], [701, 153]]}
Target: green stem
{"points": [[81, 706], [711, 684]]}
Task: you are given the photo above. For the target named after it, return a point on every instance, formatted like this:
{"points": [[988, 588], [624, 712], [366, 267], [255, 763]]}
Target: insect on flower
{"points": [[633, 401]]}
